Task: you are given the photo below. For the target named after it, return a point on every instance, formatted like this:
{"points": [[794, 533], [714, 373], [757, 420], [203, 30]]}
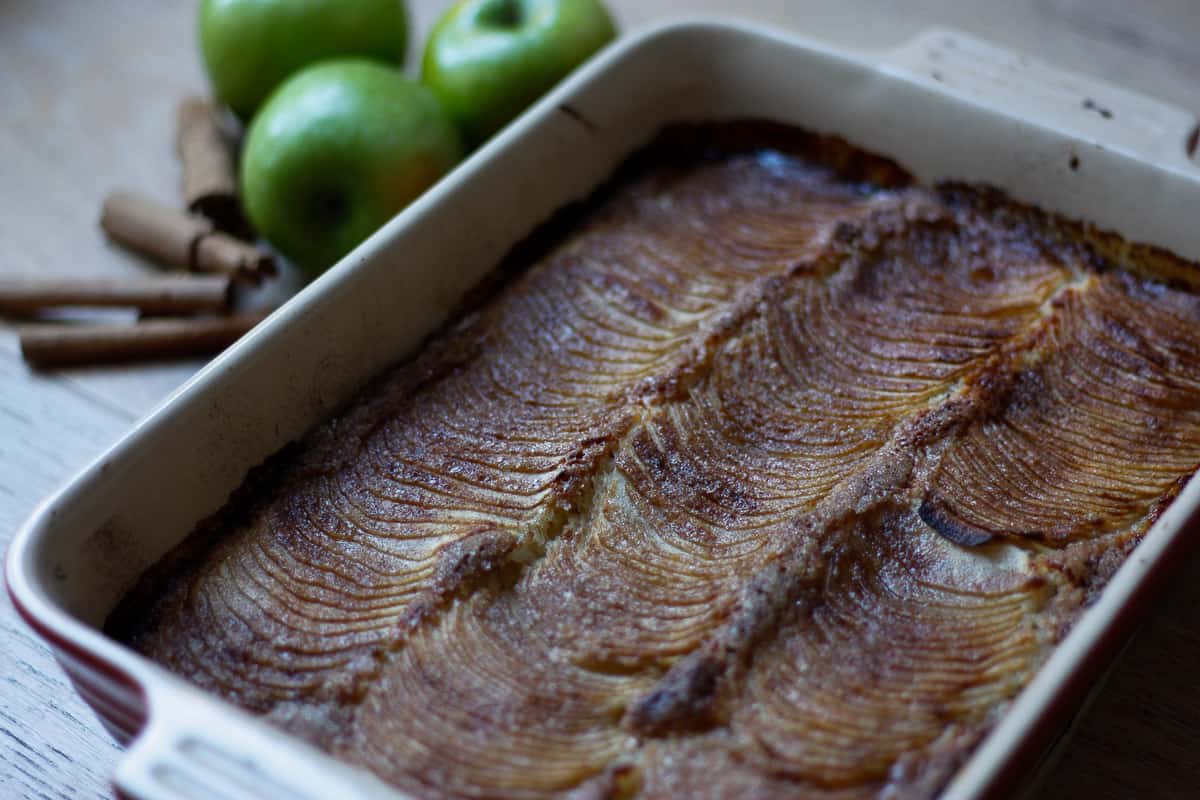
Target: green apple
{"points": [[489, 59], [251, 46], [337, 151]]}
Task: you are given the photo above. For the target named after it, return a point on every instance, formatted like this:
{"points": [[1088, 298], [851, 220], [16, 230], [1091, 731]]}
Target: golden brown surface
{"points": [[761, 482]]}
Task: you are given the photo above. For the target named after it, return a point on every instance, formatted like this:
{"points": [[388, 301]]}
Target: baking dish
{"points": [[944, 106]]}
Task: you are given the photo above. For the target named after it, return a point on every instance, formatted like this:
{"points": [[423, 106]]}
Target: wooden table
{"points": [[87, 98]]}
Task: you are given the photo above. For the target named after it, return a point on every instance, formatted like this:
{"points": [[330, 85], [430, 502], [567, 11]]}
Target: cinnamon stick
{"points": [[179, 239], [209, 177], [218, 252], [221, 253], [166, 294], [67, 345]]}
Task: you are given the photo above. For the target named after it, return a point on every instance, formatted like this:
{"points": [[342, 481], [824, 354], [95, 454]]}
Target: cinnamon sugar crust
{"points": [[762, 473]]}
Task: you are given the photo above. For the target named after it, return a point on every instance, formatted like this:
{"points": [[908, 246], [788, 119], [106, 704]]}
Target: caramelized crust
{"points": [[762, 482]]}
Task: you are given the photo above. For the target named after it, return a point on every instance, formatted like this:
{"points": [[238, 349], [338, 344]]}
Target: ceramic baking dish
{"points": [[944, 106]]}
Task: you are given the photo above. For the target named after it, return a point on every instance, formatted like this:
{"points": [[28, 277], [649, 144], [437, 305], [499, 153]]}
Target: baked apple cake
{"points": [[762, 473]]}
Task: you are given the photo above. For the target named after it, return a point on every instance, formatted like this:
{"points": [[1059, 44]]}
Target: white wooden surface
{"points": [[88, 90]]}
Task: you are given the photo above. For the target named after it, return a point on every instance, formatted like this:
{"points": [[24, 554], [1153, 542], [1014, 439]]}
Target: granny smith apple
{"points": [[489, 59], [336, 151], [250, 46]]}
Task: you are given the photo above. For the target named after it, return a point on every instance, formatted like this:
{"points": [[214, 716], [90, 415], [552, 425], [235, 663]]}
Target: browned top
{"points": [[761, 482]]}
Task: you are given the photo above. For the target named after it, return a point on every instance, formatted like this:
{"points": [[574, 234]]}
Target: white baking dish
{"points": [[944, 106]]}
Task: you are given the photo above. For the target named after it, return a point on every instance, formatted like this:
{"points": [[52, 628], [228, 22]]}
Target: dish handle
{"points": [[1087, 108], [193, 748]]}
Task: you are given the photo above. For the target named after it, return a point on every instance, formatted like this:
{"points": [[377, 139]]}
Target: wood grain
{"points": [[89, 93], [51, 745], [1141, 737]]}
